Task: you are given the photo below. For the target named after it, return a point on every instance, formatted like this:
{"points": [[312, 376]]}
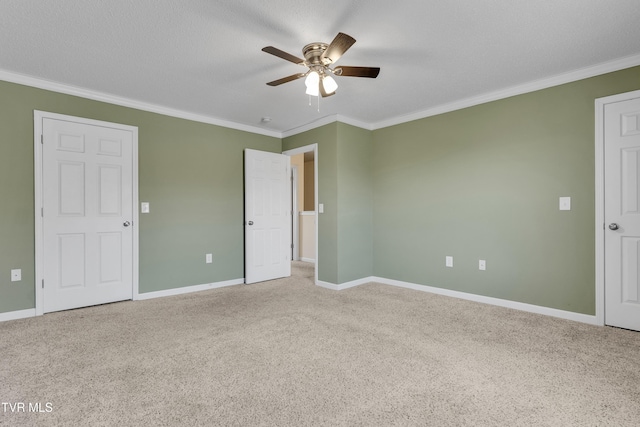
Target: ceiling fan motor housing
{"points": [[313, 54]]}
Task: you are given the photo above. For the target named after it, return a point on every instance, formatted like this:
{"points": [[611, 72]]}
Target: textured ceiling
{"points": [[203, 56]]}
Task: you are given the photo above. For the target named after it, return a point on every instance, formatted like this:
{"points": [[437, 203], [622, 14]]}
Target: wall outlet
{"points": [[482, 264], [448, 261], [320, 207], [564, 203], [16, 275], [209, 258]]}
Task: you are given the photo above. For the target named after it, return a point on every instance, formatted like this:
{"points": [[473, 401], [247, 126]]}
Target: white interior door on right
{"points": [[622, 213]]}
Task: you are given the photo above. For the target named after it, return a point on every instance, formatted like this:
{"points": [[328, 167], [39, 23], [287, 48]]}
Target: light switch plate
{"points": [[448, 261], [144, 207], [565, 203], [320, 207], [209, 258], [16, 275], [482, 264]]}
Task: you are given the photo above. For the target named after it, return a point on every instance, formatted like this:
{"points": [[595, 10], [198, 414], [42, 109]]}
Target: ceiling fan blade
{"points": [[286, 79], [371, 72], [282, 54], [340, 44]]}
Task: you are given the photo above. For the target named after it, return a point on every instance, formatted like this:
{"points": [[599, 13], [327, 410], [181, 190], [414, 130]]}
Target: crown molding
{"points": [[39, 83], [583, 73], [354, 122], [325, 121], [572, 76], [311, 125]]}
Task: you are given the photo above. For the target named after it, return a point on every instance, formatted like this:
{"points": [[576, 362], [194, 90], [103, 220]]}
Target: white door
{"points": [[87, 216], [622, 213], [267, 216]]}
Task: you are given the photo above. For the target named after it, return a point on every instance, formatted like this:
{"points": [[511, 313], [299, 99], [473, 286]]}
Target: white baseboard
{"points": [[19, 314], [307, 259], [562, 314], [188, 289], [530, 308], [345, 285], [568, 315]]}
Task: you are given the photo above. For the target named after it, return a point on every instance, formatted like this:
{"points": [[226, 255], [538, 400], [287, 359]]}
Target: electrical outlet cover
{"points": [[565, 203]]}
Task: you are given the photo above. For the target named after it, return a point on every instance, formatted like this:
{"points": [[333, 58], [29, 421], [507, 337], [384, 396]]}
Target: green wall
{"points": [[477, 183], [327, 139], [345, 238], [483, 183], [355, 203], [191, 173], [345, 242]]}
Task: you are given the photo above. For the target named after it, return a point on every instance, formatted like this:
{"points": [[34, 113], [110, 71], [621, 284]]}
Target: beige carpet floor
{"points": [[288, 353]]}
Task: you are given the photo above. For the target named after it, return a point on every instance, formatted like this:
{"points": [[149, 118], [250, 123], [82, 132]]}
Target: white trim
{"points": [[572, 76], [40, 83], [325, 121], [316, 185], [295, 239], [345, 285], [38, 220], [583, 73], [327, 285], [136, 215], [307, 259], [307, 213], [575, 75], [530, 308], [600, 104], [300, 150], [18, 314], [38, 117], [311, 125], [599, 197], [188, 289], [354, 122]]}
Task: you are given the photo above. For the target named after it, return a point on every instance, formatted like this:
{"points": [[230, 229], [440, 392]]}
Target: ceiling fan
{"points": [[319, 57]]}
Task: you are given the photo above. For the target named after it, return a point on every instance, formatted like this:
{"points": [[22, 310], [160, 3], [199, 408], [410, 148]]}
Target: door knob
{"points": [[250, 223], [126, 223], [613, 226]]}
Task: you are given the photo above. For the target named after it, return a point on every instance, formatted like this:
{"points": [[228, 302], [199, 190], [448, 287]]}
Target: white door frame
{"points": [[295, 232], [38, 117], [306, 149], [600, 104]]}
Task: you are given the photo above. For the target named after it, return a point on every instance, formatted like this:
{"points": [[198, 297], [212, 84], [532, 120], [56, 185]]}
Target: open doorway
{"points": [[304, 189]]}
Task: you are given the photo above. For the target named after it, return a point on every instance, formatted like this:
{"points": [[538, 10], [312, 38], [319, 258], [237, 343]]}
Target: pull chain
{"points": [[318, 102]]}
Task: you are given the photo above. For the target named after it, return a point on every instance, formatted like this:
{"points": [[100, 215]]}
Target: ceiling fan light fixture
{"points": [[313, 90], [318, 57], [329, 84], [312, 81]]}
